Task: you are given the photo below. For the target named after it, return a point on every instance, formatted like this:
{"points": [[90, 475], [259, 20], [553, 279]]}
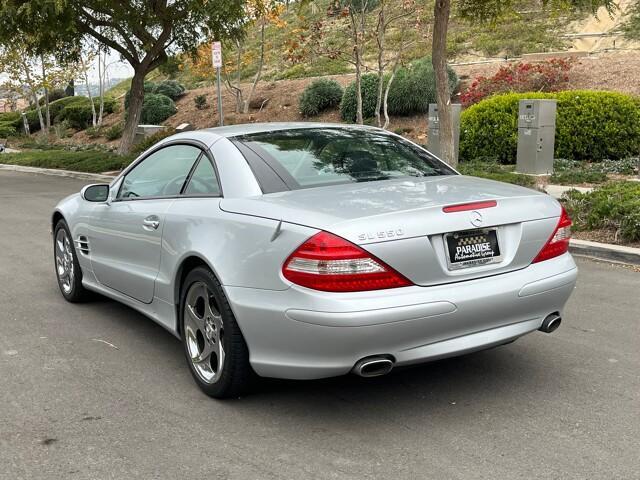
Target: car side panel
{"points": [[243, 251]]}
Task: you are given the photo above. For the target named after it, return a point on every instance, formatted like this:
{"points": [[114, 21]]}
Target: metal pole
{"points": [[221, 116]]}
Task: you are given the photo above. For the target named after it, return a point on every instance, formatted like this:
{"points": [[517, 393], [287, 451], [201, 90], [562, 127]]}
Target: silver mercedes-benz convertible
{"points": [[305, 251]]}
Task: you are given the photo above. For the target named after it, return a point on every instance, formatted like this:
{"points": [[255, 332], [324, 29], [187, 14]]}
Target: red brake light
{"points": [[332, 264], [465, 207], [559, 241]]}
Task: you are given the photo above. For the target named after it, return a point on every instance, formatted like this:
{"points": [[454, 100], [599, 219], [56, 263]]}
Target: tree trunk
{"points": [[441, 12], [357, 60], [46, 96], [381, 65], [135, 109], [385, 102], [245, 108], [359, 117]]}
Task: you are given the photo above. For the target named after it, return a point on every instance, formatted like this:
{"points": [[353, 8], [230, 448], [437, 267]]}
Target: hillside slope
{"points": [[615, 71]]}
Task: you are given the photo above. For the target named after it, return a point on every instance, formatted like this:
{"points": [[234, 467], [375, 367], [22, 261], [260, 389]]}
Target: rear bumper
{"points": [[304, 334]]}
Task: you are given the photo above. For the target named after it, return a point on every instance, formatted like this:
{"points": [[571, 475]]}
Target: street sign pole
{"points": [[216, 56]]}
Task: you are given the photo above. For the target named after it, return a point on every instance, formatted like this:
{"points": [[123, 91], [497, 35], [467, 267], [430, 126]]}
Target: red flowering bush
{"points": [[548, 76]]}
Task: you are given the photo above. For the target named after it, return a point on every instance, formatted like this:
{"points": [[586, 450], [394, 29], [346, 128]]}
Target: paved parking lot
{"points": [[98, 391]]}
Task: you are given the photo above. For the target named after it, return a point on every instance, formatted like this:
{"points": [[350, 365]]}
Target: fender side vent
{"points": [[82, 244]]}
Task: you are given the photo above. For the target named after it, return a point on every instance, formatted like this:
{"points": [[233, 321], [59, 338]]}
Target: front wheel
{"points": [[217, 354], [68, 272]]}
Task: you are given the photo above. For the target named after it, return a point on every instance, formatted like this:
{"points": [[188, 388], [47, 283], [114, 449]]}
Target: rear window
{"points": [[325, 156]]}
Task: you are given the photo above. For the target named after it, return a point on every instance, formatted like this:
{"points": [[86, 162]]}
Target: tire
{"points": [[215, 350], [67, 267]]}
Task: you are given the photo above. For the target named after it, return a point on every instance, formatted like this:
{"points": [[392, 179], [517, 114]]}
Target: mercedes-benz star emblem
{"points": [[476, 219]]}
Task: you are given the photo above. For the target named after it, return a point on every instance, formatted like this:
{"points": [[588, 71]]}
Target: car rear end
{"points": [[403, 271]]}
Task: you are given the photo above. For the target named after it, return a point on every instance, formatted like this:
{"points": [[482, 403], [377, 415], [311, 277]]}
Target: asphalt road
{"points": [[560, 406]]}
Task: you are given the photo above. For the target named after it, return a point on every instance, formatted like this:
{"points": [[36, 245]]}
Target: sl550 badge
{"points": [[381, 235]]}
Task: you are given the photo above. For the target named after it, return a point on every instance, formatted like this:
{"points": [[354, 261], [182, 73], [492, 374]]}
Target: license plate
{"points": [[472, 248]]}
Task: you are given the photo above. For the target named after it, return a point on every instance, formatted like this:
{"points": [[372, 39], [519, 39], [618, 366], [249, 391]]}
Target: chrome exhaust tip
{"points": [[373, 367], [551, 323]]}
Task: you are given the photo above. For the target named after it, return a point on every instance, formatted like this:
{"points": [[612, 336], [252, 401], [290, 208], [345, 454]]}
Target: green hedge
{"points": [[85, 161], [320, 95], [590, 125], [79, 114]]}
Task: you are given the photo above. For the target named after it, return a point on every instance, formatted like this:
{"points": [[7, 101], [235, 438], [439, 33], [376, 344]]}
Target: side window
{"points": [[160, 174], [203, 181]]}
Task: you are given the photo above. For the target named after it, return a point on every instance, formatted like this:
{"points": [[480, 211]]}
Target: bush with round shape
{"points": [[369, 89], [170, 88], [414, 88], [156, 109], [590, 125], [149, 87], [320, 95]]}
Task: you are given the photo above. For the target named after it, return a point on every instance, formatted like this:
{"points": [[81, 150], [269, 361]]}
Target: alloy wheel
{"points": [[204, 333]]}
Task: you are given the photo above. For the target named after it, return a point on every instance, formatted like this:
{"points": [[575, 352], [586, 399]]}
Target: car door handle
{"points": [[151, 223]]}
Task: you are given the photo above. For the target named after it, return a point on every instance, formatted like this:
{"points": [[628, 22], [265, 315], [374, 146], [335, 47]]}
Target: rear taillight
{"points": [[332, 264], [559, 241]]}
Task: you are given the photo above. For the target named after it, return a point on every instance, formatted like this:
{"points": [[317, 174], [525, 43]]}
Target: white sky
{"points": [[117, 69]]}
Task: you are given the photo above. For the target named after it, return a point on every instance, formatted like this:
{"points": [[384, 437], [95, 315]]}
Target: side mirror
{"points": [[98, 193]]}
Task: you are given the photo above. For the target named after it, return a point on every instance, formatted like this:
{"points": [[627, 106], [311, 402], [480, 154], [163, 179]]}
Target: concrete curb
{"points": [[605, 251], [59, 173]]}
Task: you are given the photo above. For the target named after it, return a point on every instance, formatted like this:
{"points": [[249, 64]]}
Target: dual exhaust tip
{"points": [[381, 365]]}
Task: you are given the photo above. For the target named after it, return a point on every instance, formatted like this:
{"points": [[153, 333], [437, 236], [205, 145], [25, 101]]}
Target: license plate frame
{"points": [[477, 256]]}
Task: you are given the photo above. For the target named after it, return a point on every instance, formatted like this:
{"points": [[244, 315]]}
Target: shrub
{"points": [[10, 117], [614, 206], [414, 88], [156, 108], [200, 102], [590, 126], [411, 92], [7, 129], [548, 76], [170, 88], [114, 132], [94, 161], [55, 108], [78, 115], [93, 132], [369, 89], [149, 142], [320, 95], [149, 87], [495, 171]]}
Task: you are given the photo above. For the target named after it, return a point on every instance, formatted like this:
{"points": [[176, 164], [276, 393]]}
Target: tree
{"points": [[144, 33], [478, 11], [23, 75], [384, 22]]}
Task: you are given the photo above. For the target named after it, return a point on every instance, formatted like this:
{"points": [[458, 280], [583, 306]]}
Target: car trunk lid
{"points": [[403, 223]]}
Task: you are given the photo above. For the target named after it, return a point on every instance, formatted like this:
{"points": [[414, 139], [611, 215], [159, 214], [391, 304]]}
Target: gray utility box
{"points": [[536, 136], [433, 139]]}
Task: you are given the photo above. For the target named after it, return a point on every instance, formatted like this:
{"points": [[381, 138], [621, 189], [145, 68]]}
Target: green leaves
{"points": [[590, 126]]}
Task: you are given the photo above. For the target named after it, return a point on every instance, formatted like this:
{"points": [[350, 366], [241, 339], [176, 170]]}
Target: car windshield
{"points": [[314, 157]]}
